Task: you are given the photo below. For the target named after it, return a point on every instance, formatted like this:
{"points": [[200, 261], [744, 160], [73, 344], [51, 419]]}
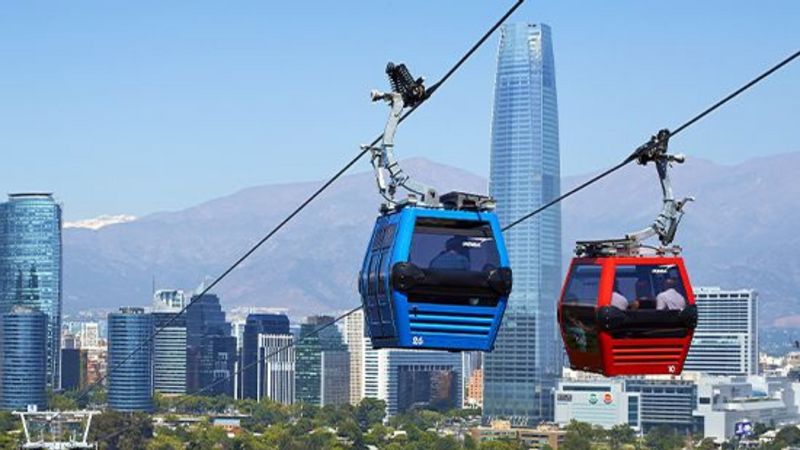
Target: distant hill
{"points": [[739, 233]]}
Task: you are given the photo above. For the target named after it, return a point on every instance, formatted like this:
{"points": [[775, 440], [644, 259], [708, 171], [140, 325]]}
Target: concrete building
{"points": [[726, 338], [355, 341], [603, 403], [725, 401], [669, 402], [475, 389], [520, 374], [276, 368]]}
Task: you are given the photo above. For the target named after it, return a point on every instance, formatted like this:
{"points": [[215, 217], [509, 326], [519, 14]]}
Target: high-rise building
{"points": [[169, 300], [169, 345], [256, 370], [354, 338], [217, 366], [169, 353], [23, 339], [130, 380], [74, 363], [209, 354], [520, 374], [89, 335], [31, 265], [276, 368], [322, 370], [726, 338], [405, 379]]}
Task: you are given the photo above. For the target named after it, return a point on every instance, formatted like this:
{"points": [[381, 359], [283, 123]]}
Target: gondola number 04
{"points": [[417, 340]]}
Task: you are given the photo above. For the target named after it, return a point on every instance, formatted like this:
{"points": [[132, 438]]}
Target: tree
{"points": [[620, 435], [579, 436], [706, 444], [121, 431], [788, 437], [664, 438], [60, 402], [165, 442], [370, 412]]}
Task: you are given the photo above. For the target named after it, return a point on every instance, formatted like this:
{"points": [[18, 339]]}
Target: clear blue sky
{"points": [[153, 105]]}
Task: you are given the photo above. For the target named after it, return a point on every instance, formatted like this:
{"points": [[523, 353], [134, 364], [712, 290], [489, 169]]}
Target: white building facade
{"points": [[726, 338], [603, 402], [276, 379]]}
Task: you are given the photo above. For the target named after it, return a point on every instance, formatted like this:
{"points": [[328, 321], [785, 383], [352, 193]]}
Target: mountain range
{"points": [[739, 233]]}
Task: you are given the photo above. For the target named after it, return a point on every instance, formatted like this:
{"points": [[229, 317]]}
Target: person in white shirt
{"points": [[618, 300], [670, 299]]}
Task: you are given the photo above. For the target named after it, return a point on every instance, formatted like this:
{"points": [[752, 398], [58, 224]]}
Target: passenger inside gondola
{"points": [[455, 256], [670, 299]]}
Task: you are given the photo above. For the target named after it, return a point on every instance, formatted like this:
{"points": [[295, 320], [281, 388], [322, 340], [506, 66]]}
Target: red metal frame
{"points": [[629, 356]]}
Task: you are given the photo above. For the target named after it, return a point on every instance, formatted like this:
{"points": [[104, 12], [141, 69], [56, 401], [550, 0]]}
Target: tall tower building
{"points": [[30, 265], [130, 383], [520, 374], [726, 338], [355, 340], [210, 349], [169, 346], [23, 339], [322, 374], [264, 334]]}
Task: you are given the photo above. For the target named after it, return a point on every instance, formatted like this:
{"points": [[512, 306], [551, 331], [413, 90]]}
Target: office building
{"points": [[665, 402], [322, 370], [74, 363], [207, 331], [603, 403], [726, 338], [520, 374], [355, 340], [263, 374], [407, 379], [169, 353], [130, 381], [475, 389], [169, 300], [276, 368], [217, 366], [23, 339], [89, 335], [31, 265], [169, 345], [724, 402]]}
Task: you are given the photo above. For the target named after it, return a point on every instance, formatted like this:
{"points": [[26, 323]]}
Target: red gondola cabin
{"points": [[627, 315]]}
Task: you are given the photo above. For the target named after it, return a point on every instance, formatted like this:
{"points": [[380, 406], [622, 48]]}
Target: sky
{"points": [[138, 107]]}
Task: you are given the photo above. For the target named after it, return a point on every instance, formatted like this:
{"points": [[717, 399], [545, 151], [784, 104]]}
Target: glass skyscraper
{"points": [[521, 372], [210, 348], [30, 265], [169, 346], [130, 384], [24, 344], [322, 370]]}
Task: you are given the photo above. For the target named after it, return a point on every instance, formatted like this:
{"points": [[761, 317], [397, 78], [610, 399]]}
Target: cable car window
{"points": [[381, 267], [579, 306], [377, 241], [649, 287], [584, 282], [653, 297], [371, 280], [453, 245]]}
